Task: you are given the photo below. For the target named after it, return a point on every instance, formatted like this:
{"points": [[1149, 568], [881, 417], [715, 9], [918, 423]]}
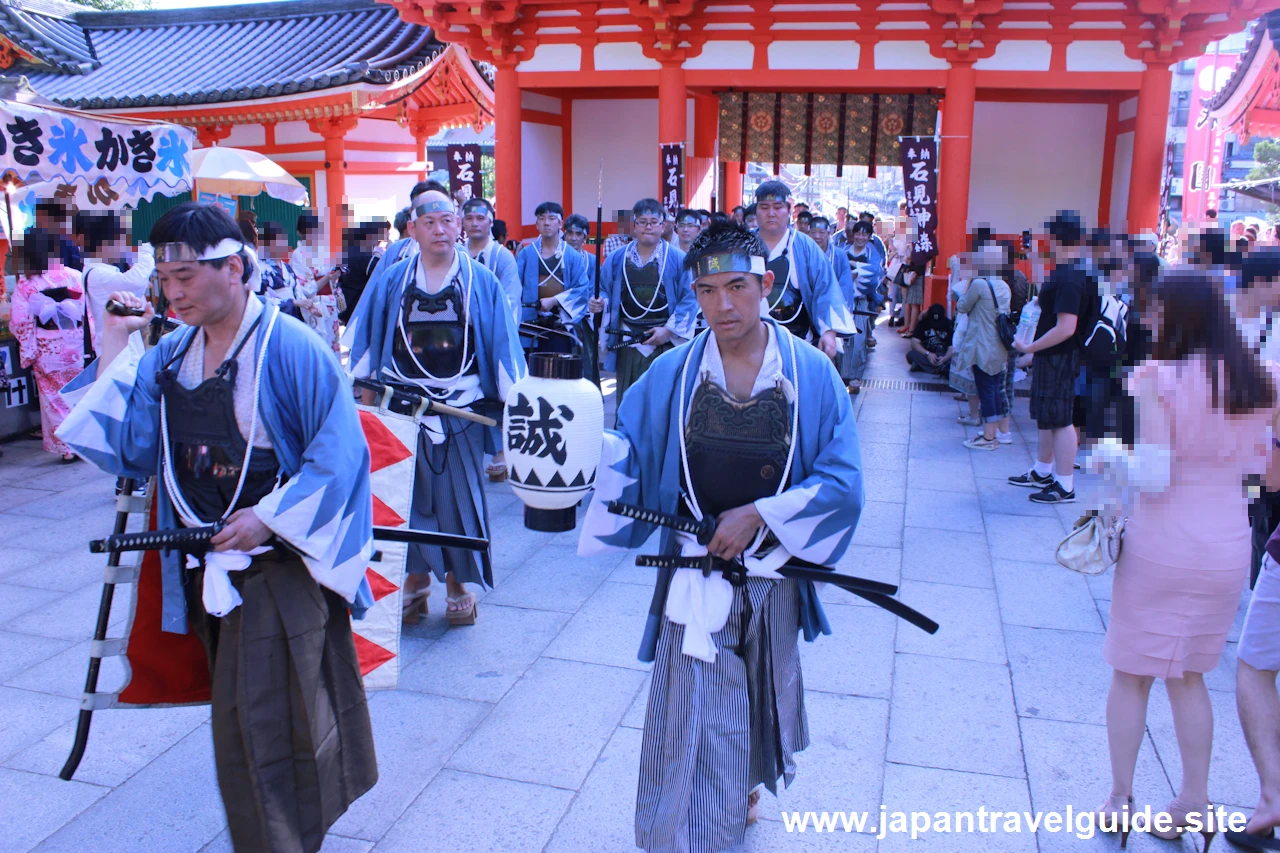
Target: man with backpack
{"points": [[1068, 302]]}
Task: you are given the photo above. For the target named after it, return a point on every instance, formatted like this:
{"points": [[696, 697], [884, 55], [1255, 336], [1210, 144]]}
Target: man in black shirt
{"points": [[931, 348], [1068, 295]]}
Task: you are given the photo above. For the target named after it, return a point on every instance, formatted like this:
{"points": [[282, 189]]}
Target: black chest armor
{"points": [[737, 451], [644, 299], [551, 274], [785, 302], [433, 334], [207, 447]]}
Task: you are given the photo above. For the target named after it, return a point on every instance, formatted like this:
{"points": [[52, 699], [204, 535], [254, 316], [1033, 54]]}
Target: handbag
{"points": [[1093, 545], [1006, 326]]}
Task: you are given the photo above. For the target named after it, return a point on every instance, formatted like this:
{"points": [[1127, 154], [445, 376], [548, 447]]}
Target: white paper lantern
{"points": [[552, 429]]}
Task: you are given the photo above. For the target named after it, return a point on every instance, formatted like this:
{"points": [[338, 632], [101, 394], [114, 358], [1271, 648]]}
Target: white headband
{"points": [[185, 253]]}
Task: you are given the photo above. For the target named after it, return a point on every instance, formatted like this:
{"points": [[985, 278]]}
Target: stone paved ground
{"points": [[522, 734]]}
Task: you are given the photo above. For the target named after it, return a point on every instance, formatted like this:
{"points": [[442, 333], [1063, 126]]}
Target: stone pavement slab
{"points": [[523, 732]]}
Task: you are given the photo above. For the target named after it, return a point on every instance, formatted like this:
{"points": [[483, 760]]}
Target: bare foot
{"points": [[1265, 817]]}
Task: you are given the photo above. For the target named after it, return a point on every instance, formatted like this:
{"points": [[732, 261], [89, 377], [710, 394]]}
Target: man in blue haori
{"points": [[750, 426], [245, 416], [645, 296], [557, 283], [440, 326], [805, 296]]}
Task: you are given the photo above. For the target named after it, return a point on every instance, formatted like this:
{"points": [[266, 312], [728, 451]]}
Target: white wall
{"points": [[379, 130], [1120, 180], [378, 195], [541, 169], [245, 136], [1030, 160]]}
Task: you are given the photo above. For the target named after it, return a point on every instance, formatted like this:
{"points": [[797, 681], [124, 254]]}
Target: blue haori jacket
{"points": [[323, 506], [814, 518], [371, 334], [681, 302], [579, 284], [818, 286]]}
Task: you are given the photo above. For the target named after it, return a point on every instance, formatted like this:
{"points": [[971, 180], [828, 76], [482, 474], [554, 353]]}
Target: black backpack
{"points": [[1103, 329]]}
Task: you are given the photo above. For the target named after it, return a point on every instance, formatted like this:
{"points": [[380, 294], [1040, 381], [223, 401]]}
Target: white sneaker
{"points": [[1004, 437], [981, 442], [969, 420]]}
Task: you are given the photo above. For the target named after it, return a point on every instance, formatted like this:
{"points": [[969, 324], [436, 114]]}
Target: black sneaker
{"points": [[1030, 480], [1054, 494]]}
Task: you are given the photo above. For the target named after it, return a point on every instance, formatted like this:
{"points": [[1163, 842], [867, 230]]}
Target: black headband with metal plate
{"points": [[434, 205]]}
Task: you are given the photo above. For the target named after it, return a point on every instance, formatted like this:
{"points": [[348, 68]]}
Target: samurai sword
{"points": [[628, 336], [537, 331], [704, 531], [735, 572], [595, 320], [421, 404], [798, 569], [196, 540]]}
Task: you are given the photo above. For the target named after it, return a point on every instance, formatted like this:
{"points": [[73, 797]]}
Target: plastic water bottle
{"points": [[1028, 321]]}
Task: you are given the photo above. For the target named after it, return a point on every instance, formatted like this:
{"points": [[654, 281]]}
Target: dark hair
{"points": [[650, 206], [804, 215], [751, 210], [427, 187], [401, 221], [819, 222], [724, 238], [1210, 247], [578, 221], [98, 229], [1099, 238], [1066, 227], [862, 225], [49, 207], [200, 226], [773, 188], [686, 211], [477, 201], [248, 232], [866, 215], [1146, 268], [704, 214], [735, 210], [549, 207], [720, 216], [36, 252], [271, 231], [1195, 320], [1261, 263], [803, 204], [1242, 245], [1007, 268], [500, 230], [979, 237], [307, 223]]}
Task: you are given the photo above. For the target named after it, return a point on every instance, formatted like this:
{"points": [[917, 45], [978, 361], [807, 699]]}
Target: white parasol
{"points": [[234, 171]]}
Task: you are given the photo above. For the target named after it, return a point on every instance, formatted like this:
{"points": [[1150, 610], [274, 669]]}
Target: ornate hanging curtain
{"points": [[837, 129]]}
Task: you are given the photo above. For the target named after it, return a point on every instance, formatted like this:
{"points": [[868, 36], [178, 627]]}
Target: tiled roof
{"points": [[1264, 40], [46, 29], [226, 53]]}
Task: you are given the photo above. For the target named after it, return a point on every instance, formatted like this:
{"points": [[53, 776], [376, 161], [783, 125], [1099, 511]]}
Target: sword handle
{"points": [[191, 540]]}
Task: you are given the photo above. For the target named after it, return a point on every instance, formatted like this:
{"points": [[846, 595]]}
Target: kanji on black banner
{"points": [[464, 172], [672, 181], [920, 181]]}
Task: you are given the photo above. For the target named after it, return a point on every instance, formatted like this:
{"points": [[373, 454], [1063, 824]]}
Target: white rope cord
{"points": [[559, 256], [690, 495], [188, 516], [658, 291], [782, 292], [442, 387]]}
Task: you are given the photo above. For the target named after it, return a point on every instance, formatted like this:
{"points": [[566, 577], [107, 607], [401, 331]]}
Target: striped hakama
{"points": [[714, 731], [448, 497], [853, 358]]}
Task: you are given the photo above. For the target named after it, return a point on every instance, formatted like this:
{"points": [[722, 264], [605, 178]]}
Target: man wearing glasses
{"points": [[646, 297]]}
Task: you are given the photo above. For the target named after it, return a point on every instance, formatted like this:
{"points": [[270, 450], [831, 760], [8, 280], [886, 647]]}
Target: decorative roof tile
{"points": [[207, 55], [47, 31], [1264, 40]]}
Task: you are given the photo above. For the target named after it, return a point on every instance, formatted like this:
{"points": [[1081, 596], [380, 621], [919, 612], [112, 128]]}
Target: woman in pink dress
{"points": [[48, 318], [1204, 407]]}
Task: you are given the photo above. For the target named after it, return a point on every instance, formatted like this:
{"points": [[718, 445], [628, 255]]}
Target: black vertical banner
{"points": [[464, 171], [671, 162], [920, 183]]}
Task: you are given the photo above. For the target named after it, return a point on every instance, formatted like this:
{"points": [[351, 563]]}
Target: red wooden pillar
{"points": [[1148, 149], [953, 172], [732, 187], [673, 123], [334, 131], [507, 148]]}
